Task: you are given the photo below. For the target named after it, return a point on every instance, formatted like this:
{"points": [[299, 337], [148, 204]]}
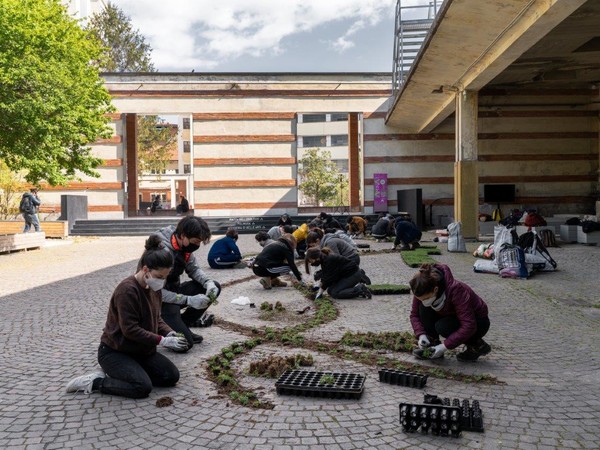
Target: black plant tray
{"points": [[402, 378], [363, 245], [305, 383], [471, 414], [439, 420]]}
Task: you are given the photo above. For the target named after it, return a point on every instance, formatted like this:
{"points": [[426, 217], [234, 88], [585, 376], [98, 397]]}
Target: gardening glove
{"points": [[211, 288], [171, 334], [319, 294], [174, 342], [424, 341], [198, 301], [438, 351]]}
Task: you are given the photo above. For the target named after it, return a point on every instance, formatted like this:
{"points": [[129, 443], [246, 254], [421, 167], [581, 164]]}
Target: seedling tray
{"points": [[402, 378], [471, 414], [389, 289], [439, 420], [306, 383]]}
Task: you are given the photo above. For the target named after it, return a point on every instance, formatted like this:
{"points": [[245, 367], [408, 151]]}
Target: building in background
{"points": [[82, 9]]}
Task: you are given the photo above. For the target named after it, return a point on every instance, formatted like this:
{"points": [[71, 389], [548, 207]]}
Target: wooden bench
{"points": [[21, 241], [53, 229]]}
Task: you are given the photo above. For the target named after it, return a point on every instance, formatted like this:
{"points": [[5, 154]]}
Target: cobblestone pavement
{"points": [[544, 334]]}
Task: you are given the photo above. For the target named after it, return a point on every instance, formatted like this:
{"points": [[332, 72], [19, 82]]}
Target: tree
{"points": [[156, 140], [11, 188], [52, 101], [319, 177], [125, 49]]}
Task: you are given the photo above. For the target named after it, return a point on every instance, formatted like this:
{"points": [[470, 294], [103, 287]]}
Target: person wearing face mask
{"points": [[340, 276], [185, 304], [443, 306], [130, 364]]}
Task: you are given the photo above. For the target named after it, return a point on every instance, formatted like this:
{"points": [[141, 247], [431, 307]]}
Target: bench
{"points": [[53, 229], [21, 241]]}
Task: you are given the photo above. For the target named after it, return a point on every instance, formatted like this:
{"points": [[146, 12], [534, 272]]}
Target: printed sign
{"points": [[380, 200]]}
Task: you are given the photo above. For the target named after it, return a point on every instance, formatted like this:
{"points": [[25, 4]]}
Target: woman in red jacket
{"points": [[133, 330], [447, 307]]}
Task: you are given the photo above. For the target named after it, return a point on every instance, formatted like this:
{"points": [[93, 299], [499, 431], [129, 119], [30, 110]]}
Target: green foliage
{"points": [[327, 379], [390, 340], [52, 100], [11, 189], [319, 177], [415, 258], [156, 140], [124, 49]]}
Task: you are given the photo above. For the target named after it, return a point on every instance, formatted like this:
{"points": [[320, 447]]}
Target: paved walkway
{"points": [[545, 336]]}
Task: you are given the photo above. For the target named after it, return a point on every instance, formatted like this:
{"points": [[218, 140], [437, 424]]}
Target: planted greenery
{"points": [[397, 341], [389, 289], [415, 258], [274, 366], [327, 379]]}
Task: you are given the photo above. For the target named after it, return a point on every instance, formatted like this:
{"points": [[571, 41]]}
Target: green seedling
{"points": [[327, 379], [427, 353], [213, 298]]}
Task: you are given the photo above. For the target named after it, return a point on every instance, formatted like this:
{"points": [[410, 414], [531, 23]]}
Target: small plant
{"points": [[326, 379], [213, 299], [427, 353], [279, 307], [266, 306]]}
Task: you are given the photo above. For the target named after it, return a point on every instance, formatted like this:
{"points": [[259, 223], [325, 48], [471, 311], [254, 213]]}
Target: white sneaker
{"points": [[84, 383]]}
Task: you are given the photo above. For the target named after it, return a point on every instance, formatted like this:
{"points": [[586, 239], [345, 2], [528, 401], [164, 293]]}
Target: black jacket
{"points": [[335, 268], [277, 254]]}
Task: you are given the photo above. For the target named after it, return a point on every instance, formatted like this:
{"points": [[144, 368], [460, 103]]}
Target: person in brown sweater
{"points": [[130, 364]]}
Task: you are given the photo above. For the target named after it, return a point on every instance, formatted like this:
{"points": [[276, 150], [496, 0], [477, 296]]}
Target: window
{"points": [[308, 118], [186, 123], [314, 141], [187, 168], [339, 117], [186, 146], [339, 140]]}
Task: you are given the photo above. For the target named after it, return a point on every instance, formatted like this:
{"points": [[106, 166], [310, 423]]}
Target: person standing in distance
{"points": [[29, 205], [184, 304]]}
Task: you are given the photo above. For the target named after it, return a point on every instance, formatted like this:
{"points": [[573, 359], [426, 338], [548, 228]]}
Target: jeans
{"points": [[436, 325], [130, 375], [31, 220], [345, 288], [178, 321]]}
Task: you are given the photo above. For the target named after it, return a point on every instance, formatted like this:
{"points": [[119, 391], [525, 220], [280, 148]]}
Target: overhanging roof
{"points": [[475, 43]]}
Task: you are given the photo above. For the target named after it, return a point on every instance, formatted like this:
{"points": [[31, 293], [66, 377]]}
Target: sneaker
{"points": [[276, 282], [483, 348], [205, 321], [473, 352], [404, 248], [415, 245], [84, 383], [468, 355], [196, 338], [266, 283], [363, 291]]}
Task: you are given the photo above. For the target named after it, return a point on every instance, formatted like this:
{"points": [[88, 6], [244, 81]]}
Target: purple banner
{"points": [[380, 200]]}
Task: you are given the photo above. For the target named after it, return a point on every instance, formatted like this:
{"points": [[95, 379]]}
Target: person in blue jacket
{"points": [[407, 234], [224, 253]]}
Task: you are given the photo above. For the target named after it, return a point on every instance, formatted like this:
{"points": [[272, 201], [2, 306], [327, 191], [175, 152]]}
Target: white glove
{"points": [[198, 301], [423, 341], [174, 342], [171, 334], [211, 288], [438, 351], [319, 294]]}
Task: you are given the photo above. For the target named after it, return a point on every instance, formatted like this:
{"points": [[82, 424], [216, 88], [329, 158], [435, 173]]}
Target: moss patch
{"points": [[388, 289]]}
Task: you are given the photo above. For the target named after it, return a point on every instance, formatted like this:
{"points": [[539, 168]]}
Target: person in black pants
{"points": [[340, 277], [274, 260], [130, 364], [407, 234], [185, 304]]}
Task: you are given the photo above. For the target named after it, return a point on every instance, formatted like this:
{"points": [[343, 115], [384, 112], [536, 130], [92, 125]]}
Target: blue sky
{"points": [[267, 35]]}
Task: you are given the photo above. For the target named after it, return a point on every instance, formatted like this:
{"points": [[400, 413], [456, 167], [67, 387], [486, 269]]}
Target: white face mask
{"points": [[156, 284], [438, 303], [429, 301]]}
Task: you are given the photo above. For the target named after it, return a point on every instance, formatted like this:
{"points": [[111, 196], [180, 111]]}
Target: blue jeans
{"points": [[130, 375], [31, 220]]}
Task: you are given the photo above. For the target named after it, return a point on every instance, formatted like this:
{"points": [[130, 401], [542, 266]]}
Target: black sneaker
{"points": [[205, 321], [197, 338], [365, 291], [469, 355], [483, 348]]}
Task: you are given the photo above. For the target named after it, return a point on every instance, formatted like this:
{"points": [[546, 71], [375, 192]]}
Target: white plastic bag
{"points": [[456, 242], [241, 301], [501, 236]]}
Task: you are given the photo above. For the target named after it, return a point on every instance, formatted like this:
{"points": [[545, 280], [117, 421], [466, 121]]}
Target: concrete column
{"points": [[466, 177], [131, 157]]}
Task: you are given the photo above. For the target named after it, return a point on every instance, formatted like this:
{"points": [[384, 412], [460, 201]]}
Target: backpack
{"points": [[25, 206], [511, 262], [548, 238], [533, 219], [531, 243]]}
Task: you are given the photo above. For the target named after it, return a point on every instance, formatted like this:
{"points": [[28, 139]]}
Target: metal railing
{"points": [[413, 22]]}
